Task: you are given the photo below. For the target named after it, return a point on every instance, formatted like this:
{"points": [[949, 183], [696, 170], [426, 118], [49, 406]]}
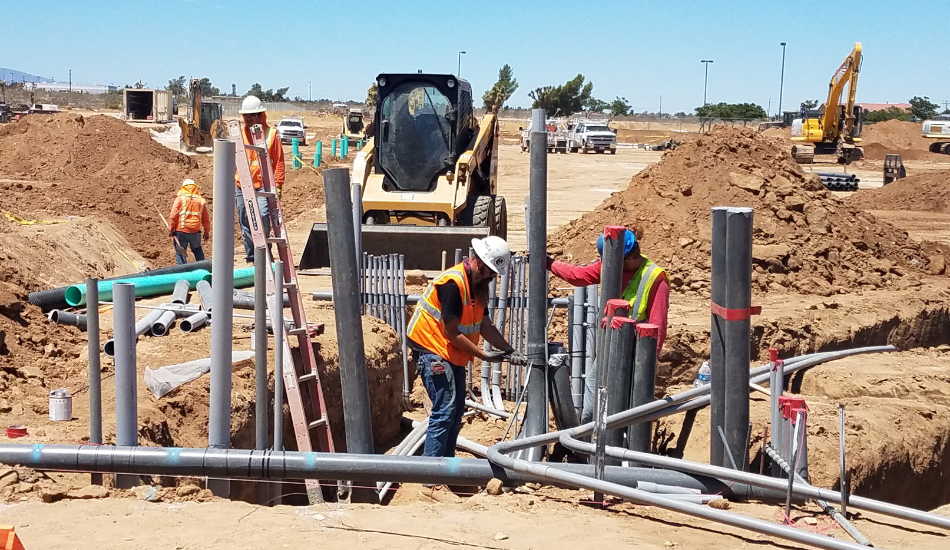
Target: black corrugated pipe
{"points": [[55, 298]]}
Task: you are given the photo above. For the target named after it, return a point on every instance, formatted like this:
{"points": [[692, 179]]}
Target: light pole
{"points": [[781, 85], [705, 62], [459, 73]]}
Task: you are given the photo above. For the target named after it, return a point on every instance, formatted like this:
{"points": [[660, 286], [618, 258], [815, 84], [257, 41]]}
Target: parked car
{"points": [[290, 128], [593, 135]]}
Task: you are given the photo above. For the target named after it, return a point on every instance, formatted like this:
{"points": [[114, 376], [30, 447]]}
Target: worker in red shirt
{"points": [[253, 113], [188, 216], [645, 286]]}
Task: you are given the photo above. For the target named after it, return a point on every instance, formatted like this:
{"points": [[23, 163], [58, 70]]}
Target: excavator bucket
{"points": [[422, 246]]}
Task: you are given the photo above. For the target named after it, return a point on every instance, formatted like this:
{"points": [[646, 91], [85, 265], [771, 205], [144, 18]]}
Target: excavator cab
{"points": [[428, 174]]}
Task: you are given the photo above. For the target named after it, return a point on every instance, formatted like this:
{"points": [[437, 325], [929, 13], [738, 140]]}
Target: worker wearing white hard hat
{"points": [[253, 112], [444, 336]]}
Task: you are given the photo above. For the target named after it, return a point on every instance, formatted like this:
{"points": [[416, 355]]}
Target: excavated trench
{"points": [[899, 420]]}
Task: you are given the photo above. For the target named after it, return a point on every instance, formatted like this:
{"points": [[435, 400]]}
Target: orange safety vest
{"points": [[191, 211], [426, 328], [254, 158]]}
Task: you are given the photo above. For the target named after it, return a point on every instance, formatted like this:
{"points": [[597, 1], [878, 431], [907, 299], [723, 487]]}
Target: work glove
{"points": [[206, 236], [494, 356], [171, 232], [517, 358]]}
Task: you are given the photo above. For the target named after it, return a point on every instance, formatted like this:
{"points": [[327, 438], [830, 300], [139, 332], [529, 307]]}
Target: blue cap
{"points": [[629, 241]]}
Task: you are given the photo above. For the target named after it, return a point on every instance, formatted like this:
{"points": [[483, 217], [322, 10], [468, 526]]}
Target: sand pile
{"points": [[897, 136], [806, 240], [96, 166], [926, 192]]}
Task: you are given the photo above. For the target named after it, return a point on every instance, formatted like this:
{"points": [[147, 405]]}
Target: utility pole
{"points": [[705, 62], [661, 106], [310, 95], [781, 86], [70, 80], [459, 73], [768, 112]]}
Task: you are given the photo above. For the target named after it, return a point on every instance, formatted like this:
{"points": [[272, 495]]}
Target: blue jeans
{"points": [[245, 224], [447, 392], [189, 240]]}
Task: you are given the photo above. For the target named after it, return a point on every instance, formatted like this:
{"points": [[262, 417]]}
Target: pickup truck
{"points": [[290, 128], [557, 138], [587, 135]]}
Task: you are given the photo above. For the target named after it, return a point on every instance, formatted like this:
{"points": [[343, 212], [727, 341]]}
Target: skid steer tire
{"points": [[483, 214], [500, 228]]}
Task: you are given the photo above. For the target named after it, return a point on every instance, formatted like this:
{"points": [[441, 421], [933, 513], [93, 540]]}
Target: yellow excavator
{"points": [[203, 124], [834, 129], [428, 174]]}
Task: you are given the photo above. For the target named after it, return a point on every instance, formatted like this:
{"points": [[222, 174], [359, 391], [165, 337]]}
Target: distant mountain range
{"points": [[12, 75]]}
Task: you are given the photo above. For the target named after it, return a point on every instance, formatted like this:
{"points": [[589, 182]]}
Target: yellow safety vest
{"points": [[426, 328], [638, 289]]}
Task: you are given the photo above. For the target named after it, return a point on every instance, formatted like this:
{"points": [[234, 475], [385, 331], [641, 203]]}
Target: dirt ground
{"points": [[897, 403]]}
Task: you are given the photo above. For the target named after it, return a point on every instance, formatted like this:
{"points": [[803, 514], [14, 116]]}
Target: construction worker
{"points": [[188, 216], [444, 335], [252, 111], [645, 286]]}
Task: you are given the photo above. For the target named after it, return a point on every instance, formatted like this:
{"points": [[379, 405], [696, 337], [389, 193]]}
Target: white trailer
{"points": [[142, 105]]}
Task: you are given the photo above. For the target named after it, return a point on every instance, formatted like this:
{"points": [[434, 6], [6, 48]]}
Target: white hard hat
{"points": [[494, 252], [251, 104], [188, 181]]}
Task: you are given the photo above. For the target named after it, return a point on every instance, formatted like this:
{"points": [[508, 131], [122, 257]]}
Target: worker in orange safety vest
{"points": [[188, 216]]}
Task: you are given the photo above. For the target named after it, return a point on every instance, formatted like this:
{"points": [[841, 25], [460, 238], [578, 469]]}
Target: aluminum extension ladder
{"points": [[307, 407]]}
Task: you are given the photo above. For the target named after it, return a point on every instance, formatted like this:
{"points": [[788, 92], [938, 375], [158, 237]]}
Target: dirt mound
{"points": [[303, 191], [926, 192], [806, 240], [98, 166], [897, 137]]}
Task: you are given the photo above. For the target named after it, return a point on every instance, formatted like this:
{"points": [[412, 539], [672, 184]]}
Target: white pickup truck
{"points": [[587, 135]]}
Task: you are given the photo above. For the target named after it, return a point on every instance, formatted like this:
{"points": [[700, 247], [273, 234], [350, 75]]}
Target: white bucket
{"points": [[60, 405]]}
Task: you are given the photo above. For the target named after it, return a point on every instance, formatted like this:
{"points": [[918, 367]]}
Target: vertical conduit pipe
{"points": [[639, 436], [222, 267], [261, 400], [486, 366], [776, 387], [620, 372], [738, 332], [536, 413], [95, 368], [502, 317], [717, 350], [611, 278], [577, 348], [277, 312], [590, 343], [403, 329], [353, 378], [356, 191], [126, 403]]}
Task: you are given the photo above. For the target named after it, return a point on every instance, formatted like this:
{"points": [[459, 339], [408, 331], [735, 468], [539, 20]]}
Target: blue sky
{"points": [[639, 50]]}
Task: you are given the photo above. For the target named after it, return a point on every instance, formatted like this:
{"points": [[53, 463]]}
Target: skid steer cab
{"points": [[428, 174]]}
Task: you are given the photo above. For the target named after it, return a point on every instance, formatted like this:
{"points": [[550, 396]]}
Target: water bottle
{"points": [[704, 376]]}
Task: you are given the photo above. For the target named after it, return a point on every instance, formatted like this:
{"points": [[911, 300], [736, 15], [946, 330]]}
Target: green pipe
{"points": [[243, 277], [345, 147], [334, 148], [318, 156], [153, 285], [295, 149]]}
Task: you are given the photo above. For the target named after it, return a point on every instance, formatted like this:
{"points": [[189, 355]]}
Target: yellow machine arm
{"points": [[847, 73], [471, 159]]}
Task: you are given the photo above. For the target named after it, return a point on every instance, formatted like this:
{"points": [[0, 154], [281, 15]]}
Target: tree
{"points": [[564, 100], [207, 90], [891, 113], [372, 96], [177, 86], [620, 106], [681, 114], [503, 89], [731, 111], [922, 108], [809, 104], [268, 95], [597, 106]]}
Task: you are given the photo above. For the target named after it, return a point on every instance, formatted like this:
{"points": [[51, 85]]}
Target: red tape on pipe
{"points": [[734, 314], [613, 231]]}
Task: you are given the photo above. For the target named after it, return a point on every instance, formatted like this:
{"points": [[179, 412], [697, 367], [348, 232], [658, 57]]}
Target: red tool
{"points": [[14, 432]]}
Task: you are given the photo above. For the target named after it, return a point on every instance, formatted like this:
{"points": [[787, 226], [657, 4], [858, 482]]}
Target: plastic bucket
{"points": [[60, 405]]}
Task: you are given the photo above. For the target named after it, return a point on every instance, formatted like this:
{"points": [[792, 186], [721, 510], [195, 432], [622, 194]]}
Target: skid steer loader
{"points": [[428, 174], [203, 122]]}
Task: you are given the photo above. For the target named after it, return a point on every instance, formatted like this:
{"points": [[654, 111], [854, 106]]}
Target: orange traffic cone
{"points": [[9, 539]]}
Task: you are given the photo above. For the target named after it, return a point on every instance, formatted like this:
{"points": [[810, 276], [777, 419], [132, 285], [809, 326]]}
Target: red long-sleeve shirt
{"points": [[658, 303]]}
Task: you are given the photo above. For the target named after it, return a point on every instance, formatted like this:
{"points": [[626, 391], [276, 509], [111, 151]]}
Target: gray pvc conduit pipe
{"points": [[193, 322], [180, 292], [204, 294], [160, 327], [61, 317], [492, 411], [245, 300], [823, 504], [141, 327], [327, 296]]}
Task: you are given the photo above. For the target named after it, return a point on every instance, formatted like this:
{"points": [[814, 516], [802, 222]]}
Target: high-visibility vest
{"points": [[638, 289], [255, 162], [426, 328], [189, 217]]}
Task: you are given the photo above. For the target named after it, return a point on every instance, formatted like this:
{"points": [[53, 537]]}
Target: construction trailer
{"points": [[142, 105]]}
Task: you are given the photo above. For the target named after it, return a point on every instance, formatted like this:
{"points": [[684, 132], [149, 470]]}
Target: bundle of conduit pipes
{"points": [[836, 181]]}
